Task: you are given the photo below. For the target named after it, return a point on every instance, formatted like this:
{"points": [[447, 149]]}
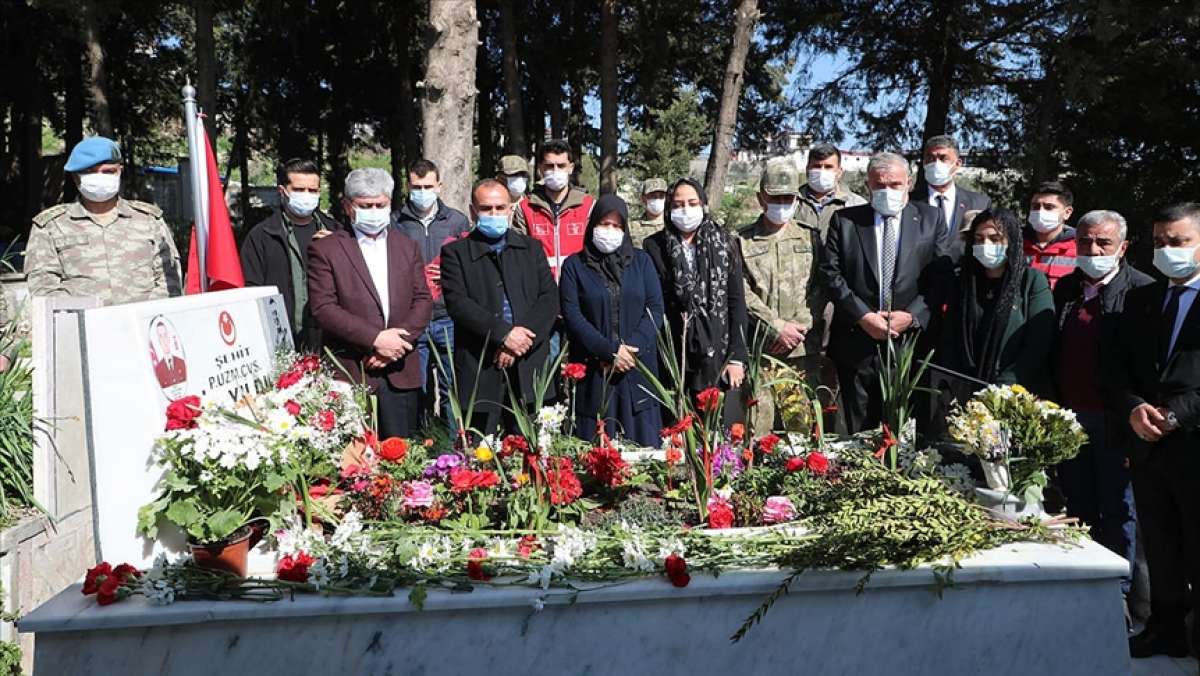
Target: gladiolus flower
{"points": [[708, 400]]}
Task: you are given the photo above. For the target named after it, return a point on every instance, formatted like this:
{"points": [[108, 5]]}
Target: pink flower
{"points": [[778, 509], [417, 494], [325, 420]]}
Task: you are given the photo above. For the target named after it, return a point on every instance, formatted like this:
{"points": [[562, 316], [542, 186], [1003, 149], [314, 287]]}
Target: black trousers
{"points": [[398, 410], [1167, 493], [862, 398]]}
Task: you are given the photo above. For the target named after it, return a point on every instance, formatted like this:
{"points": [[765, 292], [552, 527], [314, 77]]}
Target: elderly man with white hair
{"points": [[1089, 302], [878, 264], [368, 294]]}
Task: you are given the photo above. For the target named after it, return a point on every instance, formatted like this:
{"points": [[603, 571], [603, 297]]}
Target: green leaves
{"points": [[184, 513], [224, 523]]}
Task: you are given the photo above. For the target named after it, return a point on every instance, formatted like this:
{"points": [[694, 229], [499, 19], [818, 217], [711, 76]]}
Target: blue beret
{"points": [[92, 151]]}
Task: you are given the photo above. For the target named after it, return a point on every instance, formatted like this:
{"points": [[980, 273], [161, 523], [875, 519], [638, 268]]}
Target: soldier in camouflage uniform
{"points": [[783, 297], [654, 196], [101, 245], [513, 172]]}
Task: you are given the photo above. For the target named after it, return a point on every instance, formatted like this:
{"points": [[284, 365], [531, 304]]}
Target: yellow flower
{"points": [[522, 479], [483, 454], [1019, 390]]}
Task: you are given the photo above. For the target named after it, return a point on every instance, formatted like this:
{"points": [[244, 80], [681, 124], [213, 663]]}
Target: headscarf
{"points": [[703, 290], [984, 360], [610, 266]]}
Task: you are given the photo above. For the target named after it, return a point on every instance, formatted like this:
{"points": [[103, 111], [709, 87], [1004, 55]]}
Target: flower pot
{"points": [[996, 475], [229, 555]]}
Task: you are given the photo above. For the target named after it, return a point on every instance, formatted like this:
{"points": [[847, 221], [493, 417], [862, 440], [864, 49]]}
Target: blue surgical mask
{"points": [[888, 201], [1176, 262], [422, 199], [990, 256], [491, 226], [371, 221], [1097, 267]]}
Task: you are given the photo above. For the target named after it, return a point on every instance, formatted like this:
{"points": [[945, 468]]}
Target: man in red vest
{"points": [[555, 213], [1049, 241]]}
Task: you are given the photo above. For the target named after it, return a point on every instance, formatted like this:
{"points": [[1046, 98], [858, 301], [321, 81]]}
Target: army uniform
{"points": [[73, 252], [816, 214], [648, 225]]}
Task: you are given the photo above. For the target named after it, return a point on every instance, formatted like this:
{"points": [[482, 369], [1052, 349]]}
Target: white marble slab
{"points": [[1025, 609]]}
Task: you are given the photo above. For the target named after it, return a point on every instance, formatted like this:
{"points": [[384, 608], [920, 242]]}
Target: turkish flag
{"points": [[223, 263]]}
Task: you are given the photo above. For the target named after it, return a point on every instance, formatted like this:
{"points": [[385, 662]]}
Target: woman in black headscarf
{"points": [[1000, 325], [700, 266], [612, 306]]}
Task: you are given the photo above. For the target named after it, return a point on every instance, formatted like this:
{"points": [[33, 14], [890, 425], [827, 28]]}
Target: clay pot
{"points": [[230, 555]]}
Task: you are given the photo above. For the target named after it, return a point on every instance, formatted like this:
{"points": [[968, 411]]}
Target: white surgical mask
{"points": [[887, 201], [302, 204], [938, 173], [990, 256], [371, 221], [607, 239], [555, 180], [780, 213], [687, 219], [98, 187], [1097, 267], [1176, 262], [516, 184], [822, 180], [423, 199], [655, 207], [1043, 221]]}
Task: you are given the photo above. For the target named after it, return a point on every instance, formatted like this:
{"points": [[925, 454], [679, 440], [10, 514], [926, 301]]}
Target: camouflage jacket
{"points": [[640, 230], [131, 259], [780, 281], [807, 211]]}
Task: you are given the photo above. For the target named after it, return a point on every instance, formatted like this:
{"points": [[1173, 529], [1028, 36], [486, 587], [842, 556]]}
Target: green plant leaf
{"points": [[223, 523], [184, 513]]}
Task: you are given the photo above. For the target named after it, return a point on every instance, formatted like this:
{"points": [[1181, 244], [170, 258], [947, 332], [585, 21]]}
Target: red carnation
{"points": [[677, 570], [817, 463], [708, 400], [95, 576], [574, 371], [326, 421], [768, 443], [513, 443], [606, 465], [795, 464], [464, 480], [310, 363], [564, 485], [393, 449], [475, 564], [182, 413], [527, 546], [109, 591], [294, 568], [126, 572], [720, 515], [288, 378], [292, 407]]}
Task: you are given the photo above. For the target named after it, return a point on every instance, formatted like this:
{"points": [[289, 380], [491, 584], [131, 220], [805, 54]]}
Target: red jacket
{"points": [[562, 236], [1056, 259]]}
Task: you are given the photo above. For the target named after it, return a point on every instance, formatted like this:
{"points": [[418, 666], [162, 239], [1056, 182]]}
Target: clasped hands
{"points": [[390, 346], [518, 342], [788, 339], [1150, 422], [884, 324]]}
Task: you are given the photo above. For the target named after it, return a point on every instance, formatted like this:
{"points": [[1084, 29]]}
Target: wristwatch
{"points": [[1172, 421]]}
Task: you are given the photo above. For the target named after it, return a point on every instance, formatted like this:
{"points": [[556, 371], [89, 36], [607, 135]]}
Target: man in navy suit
{"points": [[1156, 369], [942, 163], [878, 263]]}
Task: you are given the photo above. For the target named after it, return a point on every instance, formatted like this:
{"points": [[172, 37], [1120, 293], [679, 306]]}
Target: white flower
{"points": [[634, 556], [346, 536], [671, 546], [318, 574], [539, 603], [568, 546]]}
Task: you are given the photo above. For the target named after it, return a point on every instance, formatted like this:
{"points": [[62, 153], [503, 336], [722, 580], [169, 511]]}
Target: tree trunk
{"points": [[73, 105], [449, 91], [97, 72], [405, 141], [577, 123], [608, 96], [206, 67], [515, 113], [940, 75], [485, 87], [731, 92]]}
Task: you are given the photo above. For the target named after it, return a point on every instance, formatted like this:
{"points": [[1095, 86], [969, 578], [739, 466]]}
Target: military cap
{"points": [[92, 151], [780, 177], [654, 185], [512, 164]]}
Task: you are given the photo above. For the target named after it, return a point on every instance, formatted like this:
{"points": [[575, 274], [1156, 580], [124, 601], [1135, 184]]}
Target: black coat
{"points": [[448, 225], [265, 263], [474, 282], [849, 269], [967, 200], [1139, 375]]}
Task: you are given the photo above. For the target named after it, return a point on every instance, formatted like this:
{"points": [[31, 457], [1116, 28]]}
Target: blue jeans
{"points": [[441, 333], [1099, 493]]}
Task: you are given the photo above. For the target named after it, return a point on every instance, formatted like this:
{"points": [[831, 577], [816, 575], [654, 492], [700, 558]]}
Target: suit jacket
{"points": [[1141, 376], [966, 200], [474, 283], [849, 269], [343, 300]]}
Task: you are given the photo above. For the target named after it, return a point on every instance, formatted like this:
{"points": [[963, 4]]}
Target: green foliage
{"points": [[666, 145], [17, 425]]}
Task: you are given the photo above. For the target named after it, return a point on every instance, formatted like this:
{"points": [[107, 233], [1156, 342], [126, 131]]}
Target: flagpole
{"points": [[196, 162]]}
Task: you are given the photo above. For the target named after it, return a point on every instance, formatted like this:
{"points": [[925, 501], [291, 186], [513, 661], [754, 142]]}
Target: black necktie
{"points": [[1170, 314], [941, 205]]}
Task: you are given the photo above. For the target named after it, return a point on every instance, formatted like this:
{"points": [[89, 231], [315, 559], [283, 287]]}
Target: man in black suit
{"points": [[877, 264], [1156, 369], [942, 162], [504, 302]]}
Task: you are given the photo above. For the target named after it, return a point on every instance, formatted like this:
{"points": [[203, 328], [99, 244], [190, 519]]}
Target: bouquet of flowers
{"points": [[1012, 429]]}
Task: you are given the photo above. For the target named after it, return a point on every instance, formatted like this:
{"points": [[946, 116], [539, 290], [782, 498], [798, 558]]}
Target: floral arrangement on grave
{"points": [[227, 464], [1017, 436]]}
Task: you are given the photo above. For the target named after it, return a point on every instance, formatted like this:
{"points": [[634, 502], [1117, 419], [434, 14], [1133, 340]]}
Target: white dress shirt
{"points": [[1185, 304], [948, 206], [879, 246], [374, 251], [1092, 289]]}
